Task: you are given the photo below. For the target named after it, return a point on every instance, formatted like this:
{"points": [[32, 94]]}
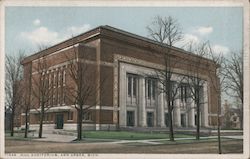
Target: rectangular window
{"points": [[54, 79], [184, 92], [201, 93], [129, 86], [132, 85], [70, 115], [64, 76], [86, 116], [59, 78], [151, 88]]}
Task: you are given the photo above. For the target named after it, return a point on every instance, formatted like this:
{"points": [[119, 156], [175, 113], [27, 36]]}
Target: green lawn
{"points": [[18, 136], [186, 141], [124, 135]]}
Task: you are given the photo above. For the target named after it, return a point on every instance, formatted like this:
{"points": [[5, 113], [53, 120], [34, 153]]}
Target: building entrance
{"points": [[130, 118], [183, 120], [150, 119], [59, 121]]}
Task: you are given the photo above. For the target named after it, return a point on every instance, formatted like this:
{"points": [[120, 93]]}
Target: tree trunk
{"points": [[26, 124], [198, 116], [79, 124], [12, 123], [41, 122], [218, 124], [219, 139], [171, 131]]}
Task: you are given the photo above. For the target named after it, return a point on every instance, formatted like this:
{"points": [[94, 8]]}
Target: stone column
{"points": [[177, 113], [160, 107], [191, 112], [123, 97], [205, 106], [142, 103]]}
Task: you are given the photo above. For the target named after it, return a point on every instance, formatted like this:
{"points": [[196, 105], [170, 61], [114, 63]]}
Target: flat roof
{"points": [[94, 33]]}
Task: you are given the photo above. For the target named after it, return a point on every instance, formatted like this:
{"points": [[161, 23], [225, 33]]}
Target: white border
{"points": [[246, 73], [147, 3], [2, 77], [132, 3]]}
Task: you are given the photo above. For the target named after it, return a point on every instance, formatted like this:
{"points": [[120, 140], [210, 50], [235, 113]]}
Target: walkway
{"points": [[157, 141], [55, 137], [67, 138]]}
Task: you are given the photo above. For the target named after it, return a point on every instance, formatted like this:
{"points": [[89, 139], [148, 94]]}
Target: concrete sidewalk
{"points": [[55, 138], [49, 136], [156, 141]]}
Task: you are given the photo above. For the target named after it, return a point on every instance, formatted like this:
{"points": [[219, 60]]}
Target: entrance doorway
{"points": [[183, 120], [59, 121], [150, 119], [130, 118]]}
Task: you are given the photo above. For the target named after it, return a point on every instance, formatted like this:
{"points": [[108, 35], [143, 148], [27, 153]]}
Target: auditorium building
{"points": [[119, 68]]}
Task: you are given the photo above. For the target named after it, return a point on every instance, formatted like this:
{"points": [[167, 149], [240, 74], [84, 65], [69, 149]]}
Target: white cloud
{"points": [[220, 49], [75, 30], [36, 22], [41, 35], [190, 38], [187, 40], [204, 30]]}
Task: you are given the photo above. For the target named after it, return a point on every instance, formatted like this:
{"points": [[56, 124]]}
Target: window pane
{"points": [[153, 88], [129, 85], [134, 86], [149, 88], [185, 93]]}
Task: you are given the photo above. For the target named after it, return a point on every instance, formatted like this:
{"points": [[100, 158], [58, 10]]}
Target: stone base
{"points": [[72, 126]]}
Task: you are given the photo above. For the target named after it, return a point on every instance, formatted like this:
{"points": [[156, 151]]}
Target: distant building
{"points": [[231, 117], [129, 96]]}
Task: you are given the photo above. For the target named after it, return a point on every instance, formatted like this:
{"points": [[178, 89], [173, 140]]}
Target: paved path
{"points": [[68, 138], [55, 138], [156, 141]]}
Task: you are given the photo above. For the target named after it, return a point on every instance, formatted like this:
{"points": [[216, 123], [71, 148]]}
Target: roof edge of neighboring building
{"points": [[97, 31]]}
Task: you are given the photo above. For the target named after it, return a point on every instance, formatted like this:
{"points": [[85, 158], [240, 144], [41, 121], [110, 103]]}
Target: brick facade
{"points": [[102, 51]]}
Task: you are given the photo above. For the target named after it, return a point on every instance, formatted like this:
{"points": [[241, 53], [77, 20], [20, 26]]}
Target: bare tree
{"points": [[217, 79], [41, 89], [27, 100], [166, 30], [83, 92], [195, 82], [233, 72], [12, 85]]}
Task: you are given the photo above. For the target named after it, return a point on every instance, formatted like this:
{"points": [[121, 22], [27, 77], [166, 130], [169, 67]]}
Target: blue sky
{"points": [[27, 27]]}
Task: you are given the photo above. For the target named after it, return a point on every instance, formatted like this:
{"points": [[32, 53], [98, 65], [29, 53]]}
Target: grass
{"points": [[177, 142], [18, 136], [124, 135], [186, 141]]}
